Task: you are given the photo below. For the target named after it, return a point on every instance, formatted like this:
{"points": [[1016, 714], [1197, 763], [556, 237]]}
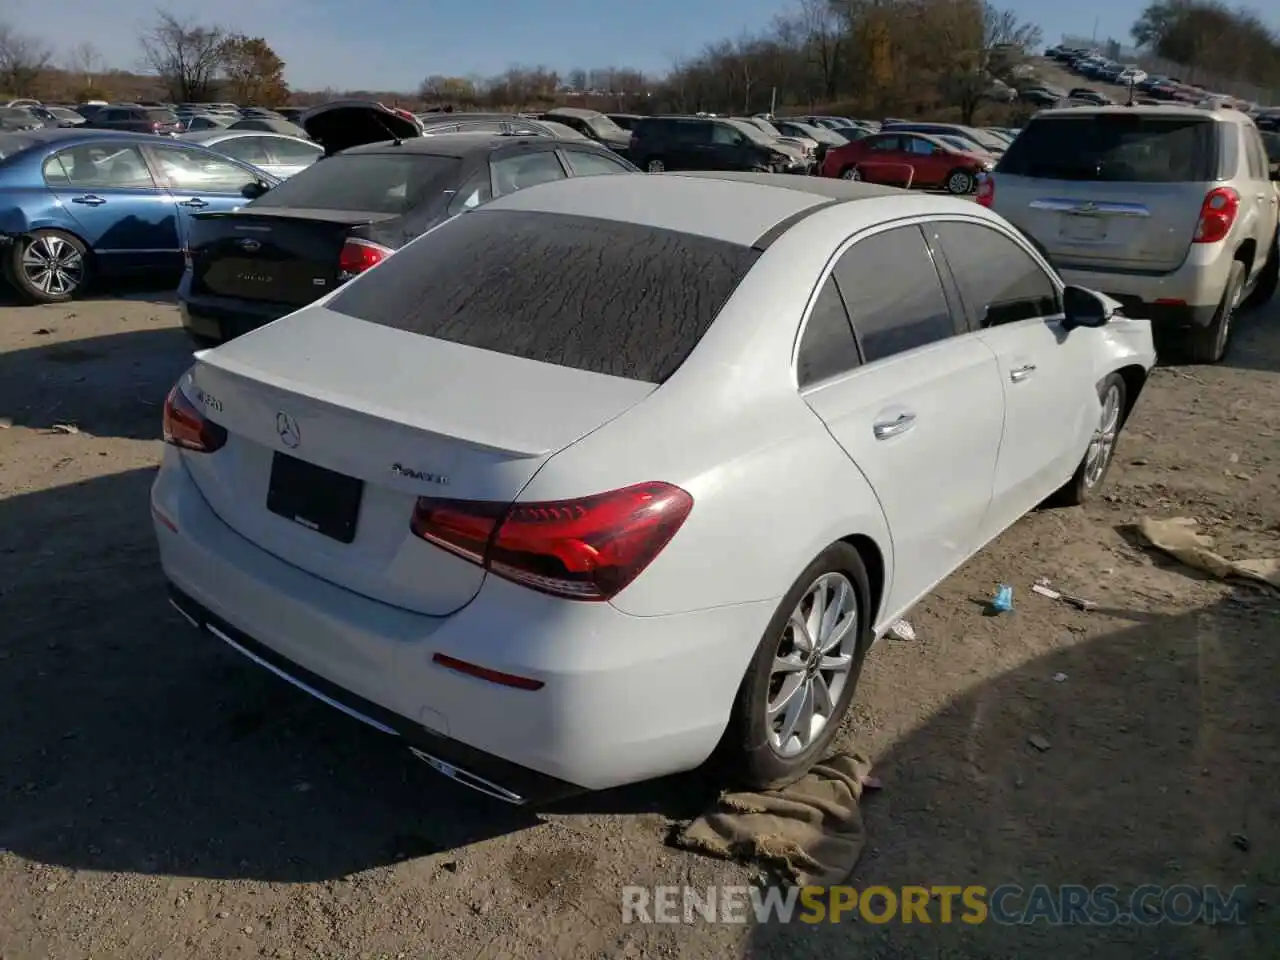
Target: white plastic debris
{"points": [[902, 630], [1059, 678], [1042, 587]]}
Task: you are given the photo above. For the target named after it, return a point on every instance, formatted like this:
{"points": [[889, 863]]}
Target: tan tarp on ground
{"points": [[1179, 539], [811, 832]]}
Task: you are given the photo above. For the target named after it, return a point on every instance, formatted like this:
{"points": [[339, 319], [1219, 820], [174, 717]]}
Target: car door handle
{"points": [[892, 428], [193, 202], [89, 200], [1018, 374]]}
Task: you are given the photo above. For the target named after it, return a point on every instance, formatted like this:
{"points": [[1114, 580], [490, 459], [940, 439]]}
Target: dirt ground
{"points": [[162, 798]]}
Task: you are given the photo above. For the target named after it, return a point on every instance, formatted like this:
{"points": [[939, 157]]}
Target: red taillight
{"points": [[1217, 214], [986, 190], [484, 673], [584, 549], [359, 255], [186, 426]]}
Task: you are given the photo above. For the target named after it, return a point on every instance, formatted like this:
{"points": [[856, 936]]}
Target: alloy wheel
{"points": [[53, 266], [1103, 443], [812, 664]]}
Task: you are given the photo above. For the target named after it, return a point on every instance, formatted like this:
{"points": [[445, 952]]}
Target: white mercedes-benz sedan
{"points": [[615, 475]]}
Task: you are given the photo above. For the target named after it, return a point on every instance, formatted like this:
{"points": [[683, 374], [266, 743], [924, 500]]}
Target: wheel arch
{"points": [[873, 561], [1246, 253], [1135, 378]]}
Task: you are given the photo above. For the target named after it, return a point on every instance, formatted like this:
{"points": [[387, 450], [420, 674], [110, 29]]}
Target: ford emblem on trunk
{"points": [[250, 245], [287, 428]]}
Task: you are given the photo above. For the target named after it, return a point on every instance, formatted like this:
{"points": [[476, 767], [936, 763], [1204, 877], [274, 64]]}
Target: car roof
{"points": [[734, 207], [221, 134], [577, 112], [459, 145], [1163, 110]]}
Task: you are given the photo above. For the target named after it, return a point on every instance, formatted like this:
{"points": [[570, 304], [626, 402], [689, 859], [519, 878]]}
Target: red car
{"points": [[908, 159]]}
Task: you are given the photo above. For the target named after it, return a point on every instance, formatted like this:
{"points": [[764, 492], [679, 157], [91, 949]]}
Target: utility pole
{"points": [[773, 101]]}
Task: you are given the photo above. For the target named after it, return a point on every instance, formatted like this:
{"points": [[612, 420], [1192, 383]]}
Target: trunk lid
{"points": [[386, 415], [341, 124], [1110, 190], [269, 254]]}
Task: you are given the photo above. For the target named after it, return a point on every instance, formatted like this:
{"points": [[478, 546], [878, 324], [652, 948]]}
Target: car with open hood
{"points": [[379, 185]]}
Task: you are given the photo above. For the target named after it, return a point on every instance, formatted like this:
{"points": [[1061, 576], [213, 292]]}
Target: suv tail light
{"points": [[186, 426], [1217, 215], [584, 549], [359, 255], [986, 195]]}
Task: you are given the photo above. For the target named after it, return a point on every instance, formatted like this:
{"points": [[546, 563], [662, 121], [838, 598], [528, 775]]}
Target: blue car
{"points": [[76, 205]]}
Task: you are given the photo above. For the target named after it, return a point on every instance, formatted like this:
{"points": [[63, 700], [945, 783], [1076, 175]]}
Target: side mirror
{"points": [[253, 191], [1084, 308]]}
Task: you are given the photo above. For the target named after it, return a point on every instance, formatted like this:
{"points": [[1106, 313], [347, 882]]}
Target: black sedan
{"points": [[367, 197]]}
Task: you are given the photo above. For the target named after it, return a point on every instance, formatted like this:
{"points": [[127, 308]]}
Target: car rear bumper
{"points": [[1186, 297], [623, 698], [219, 319]]}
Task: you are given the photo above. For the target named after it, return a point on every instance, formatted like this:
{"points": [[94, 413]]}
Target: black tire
{"points": [[850, 173], [954, 181], [653, 165], [54, 247], [1209, 344], [1085, 483], [746, 757], [1268, 280]]}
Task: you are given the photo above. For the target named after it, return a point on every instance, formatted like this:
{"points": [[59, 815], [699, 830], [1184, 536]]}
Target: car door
{"points": [[922, 415], [1260, 193], [200, 181], [880, 161], [129, 221], [689, 146], [926, 160], [1050, 399]]}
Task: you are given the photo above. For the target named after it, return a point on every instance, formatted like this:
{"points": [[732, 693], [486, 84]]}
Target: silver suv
{"points": [[1171, 210]]}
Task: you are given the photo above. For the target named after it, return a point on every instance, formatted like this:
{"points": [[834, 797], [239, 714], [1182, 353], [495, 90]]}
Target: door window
{"points": [[888, 144], [526, 170], [249, 149], [293, 153], [195, 172], [999, 281], [894, 294], [584, 163], [919, 147], [692, 131], [827, 348], [472, 194], [99, 166], [725, 136]]}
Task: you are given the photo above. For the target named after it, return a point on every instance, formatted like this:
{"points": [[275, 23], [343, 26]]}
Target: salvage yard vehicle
{"points": [[75, 204], [498, 497], [278, 154], [1171, 210], [353, 209]]}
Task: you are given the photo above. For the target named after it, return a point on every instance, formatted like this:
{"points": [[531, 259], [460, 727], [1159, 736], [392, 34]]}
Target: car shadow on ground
{"points": [[1159, 767], [133, 743], [109, 386], [1255, 344], [158, 288]]}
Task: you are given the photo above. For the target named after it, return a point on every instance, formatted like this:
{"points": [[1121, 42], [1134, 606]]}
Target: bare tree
{"points": [[85, 60], [186, 56], [22, 58]]}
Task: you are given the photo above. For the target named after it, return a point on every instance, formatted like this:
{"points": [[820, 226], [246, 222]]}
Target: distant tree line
{"points": [[1211, 37]]}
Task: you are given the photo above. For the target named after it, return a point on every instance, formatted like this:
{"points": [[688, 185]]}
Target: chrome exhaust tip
{"points": [[468, 779]]}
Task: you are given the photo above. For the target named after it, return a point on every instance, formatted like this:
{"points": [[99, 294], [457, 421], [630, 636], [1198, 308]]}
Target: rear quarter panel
{"points": [[25, 202]]}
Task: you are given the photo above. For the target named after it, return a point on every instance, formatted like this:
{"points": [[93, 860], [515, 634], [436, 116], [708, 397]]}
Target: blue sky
{"points": [[393, 44]]}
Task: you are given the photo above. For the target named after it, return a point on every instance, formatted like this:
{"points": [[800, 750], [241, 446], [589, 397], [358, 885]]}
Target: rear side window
{"points": [[999, 282], [827, 348], [596, 295], [1117, 148], [370, 183], [894, 293]]}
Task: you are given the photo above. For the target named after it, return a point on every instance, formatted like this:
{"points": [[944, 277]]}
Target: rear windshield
{"points": [[368, 183], [160, 116], [597, 295], [1119, 148]]}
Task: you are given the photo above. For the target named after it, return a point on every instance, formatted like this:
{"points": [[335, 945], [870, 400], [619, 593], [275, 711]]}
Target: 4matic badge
{"points": [[400, 470]]}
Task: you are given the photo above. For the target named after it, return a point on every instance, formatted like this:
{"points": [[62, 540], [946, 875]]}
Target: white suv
{"points": [[1171, 210]]}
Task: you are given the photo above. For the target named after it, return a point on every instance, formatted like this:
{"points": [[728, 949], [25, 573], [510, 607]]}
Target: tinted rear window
{"points": [[370, 183], [1117, 148], [597, 295]]}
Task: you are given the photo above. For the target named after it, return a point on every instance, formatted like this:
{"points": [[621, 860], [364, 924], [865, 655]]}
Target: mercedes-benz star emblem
{"points": [[287, 428], [249, 245]]}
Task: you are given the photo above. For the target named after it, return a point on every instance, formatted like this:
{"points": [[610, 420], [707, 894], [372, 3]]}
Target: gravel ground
{"points": [[160, 797]]}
